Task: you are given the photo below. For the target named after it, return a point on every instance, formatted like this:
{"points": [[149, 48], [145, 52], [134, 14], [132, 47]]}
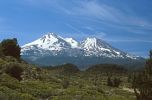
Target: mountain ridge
{"points": [[88, 47], [52, 49]]}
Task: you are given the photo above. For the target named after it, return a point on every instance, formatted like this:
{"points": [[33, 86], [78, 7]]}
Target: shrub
{"points": [[14, 70], [3, 96], [65, 84], [109, 82], [114, 83]]}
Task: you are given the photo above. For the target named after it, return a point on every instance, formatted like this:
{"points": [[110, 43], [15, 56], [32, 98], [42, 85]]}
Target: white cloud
{"points": [[74, 28], [104, 12], [78, 33], [95, 10], [92, 9]]}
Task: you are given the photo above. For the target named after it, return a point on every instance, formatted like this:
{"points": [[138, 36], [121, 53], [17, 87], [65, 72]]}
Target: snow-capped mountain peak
{"points": [[57, 45], [50, 41], [52, 49], [72, 42], [94, 44], [89, 43]]}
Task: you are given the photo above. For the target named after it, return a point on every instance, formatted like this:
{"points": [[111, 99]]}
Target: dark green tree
{"points": [[109, 82], [142, 82], [1, 51], [10, 47], [150, 54], [65, 83], [15, 71], [116, 82], [113, 82]]}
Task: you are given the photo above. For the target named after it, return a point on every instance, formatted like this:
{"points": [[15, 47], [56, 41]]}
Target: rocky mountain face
{"points": [[52, 47]]}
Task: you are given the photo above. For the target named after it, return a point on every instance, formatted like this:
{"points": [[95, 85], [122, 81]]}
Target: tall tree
{"points": [[150, 54], [142, 82], [10, 47], [1, 51]]}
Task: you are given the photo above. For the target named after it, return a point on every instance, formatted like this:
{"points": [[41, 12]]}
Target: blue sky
{"points": [[125, 24]]}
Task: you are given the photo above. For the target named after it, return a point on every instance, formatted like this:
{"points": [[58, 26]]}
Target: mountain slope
{"points": [[54, 49], [97, 47], [72, 42]]}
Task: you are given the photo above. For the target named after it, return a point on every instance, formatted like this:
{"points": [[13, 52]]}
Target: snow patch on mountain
{"points": [[49, 41], [72, 42], [52, 44]]}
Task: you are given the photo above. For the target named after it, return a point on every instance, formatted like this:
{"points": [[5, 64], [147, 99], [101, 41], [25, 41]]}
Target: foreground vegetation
{"points": [[56, 84], [22, 81]]}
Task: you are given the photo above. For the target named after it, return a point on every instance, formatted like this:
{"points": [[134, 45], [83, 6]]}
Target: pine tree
{"points": [[109, 82], [10, 47], [142, 82], [150, 54], [116, 82], [1, 51]]}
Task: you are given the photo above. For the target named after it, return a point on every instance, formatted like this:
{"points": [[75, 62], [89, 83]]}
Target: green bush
{"points": [[114, 83], [21, 96], [65, 84], [3, 96], [14, 70]]}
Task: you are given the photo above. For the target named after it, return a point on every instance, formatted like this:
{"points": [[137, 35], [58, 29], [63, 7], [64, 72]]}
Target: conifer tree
{"points": [[142, 82], [10, 47]]}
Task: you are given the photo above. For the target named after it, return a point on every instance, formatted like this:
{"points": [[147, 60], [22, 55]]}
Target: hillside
{"points": [[54, 84]]}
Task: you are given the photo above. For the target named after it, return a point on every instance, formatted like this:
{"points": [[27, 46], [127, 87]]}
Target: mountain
{"points": [[53, 49], [98, 47], [72, 42]]}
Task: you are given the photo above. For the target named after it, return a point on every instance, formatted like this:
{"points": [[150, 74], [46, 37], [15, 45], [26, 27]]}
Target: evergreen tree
{"points": [[10, 47], [150, 54], [142, 82], [109, 82], [116, 82], [1, 51]]}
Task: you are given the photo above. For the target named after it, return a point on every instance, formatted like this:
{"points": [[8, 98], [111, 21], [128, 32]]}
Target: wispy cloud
{"points": [[82, 36], [104, 12], [79, 33], [96, 10], [93, 9], [74, 28]]}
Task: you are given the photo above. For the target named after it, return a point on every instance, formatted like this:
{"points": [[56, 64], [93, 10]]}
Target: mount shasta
{"points": [[52, 49]]}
